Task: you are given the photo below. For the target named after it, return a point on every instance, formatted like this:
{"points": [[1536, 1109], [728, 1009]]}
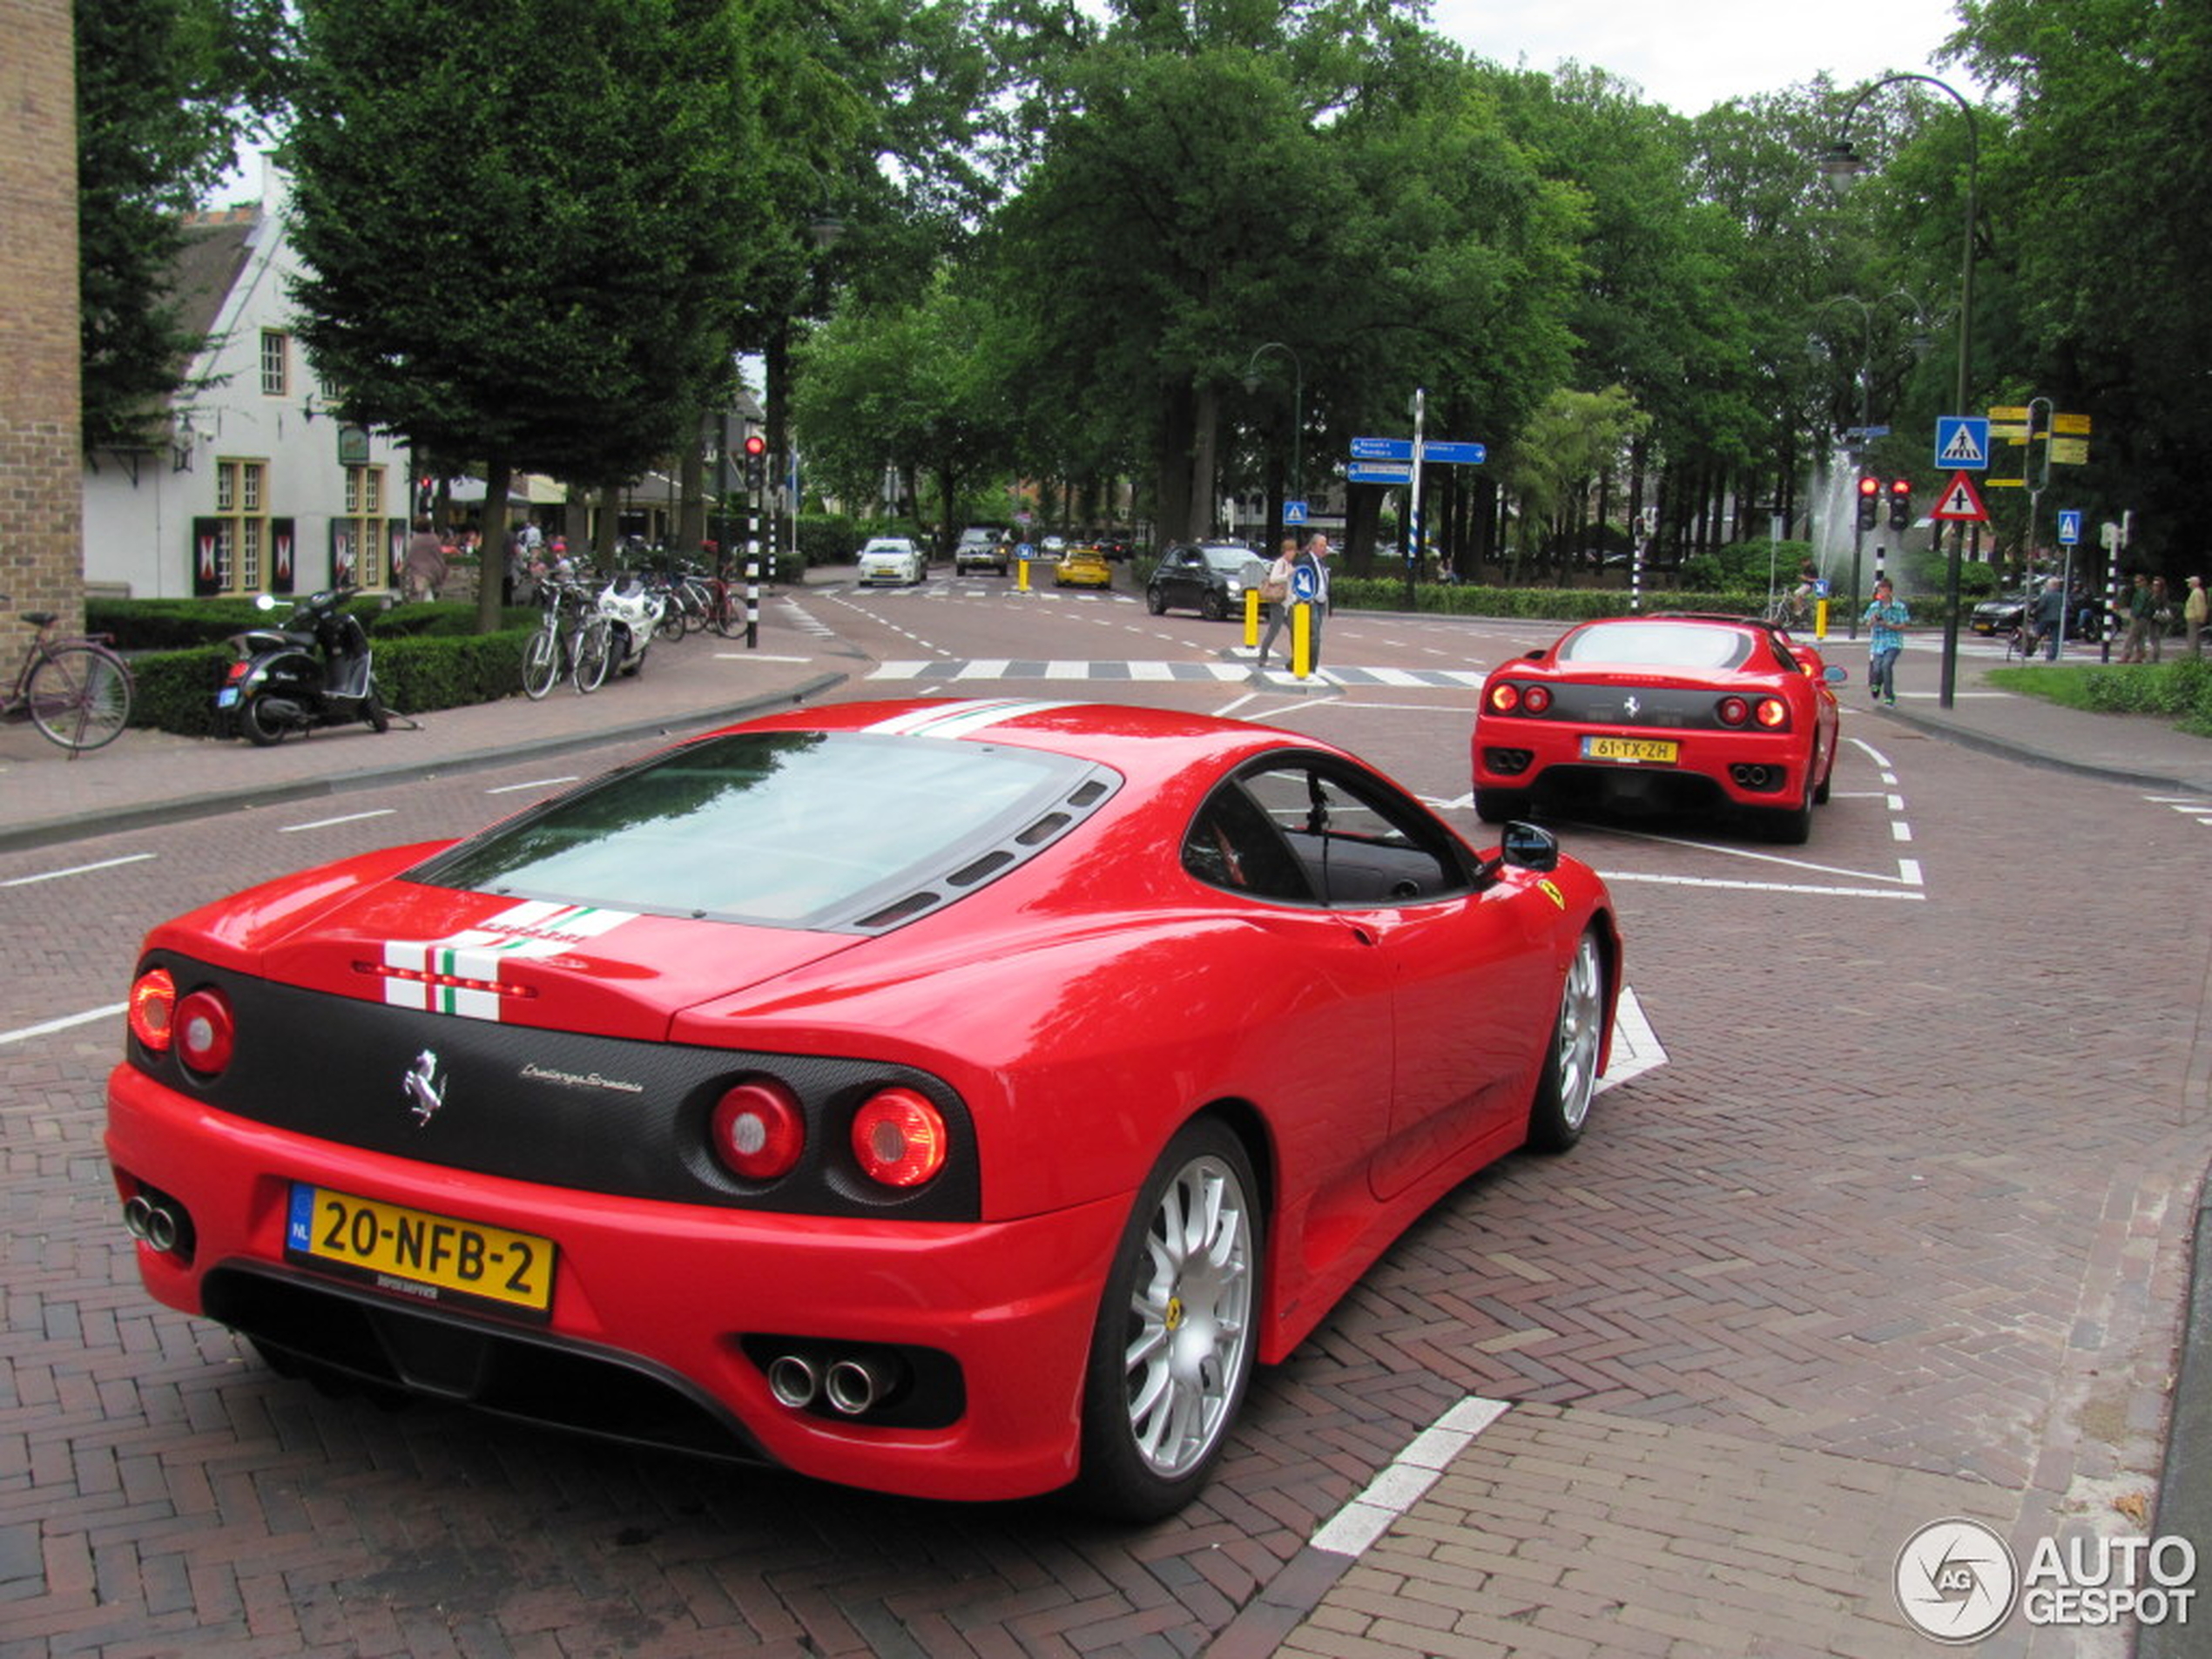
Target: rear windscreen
{"points": [[801, 829]]}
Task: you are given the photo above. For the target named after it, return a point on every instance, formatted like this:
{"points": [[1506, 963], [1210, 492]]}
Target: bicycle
{"points": [[73, 688], [570, 642], [1787, 610]]}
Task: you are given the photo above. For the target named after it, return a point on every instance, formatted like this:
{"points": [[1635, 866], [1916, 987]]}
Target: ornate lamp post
{"points": [[1865, 402], [1297, 407], [1840, 166]]}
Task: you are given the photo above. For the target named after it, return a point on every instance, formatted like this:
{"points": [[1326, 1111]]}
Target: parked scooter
{"points": [[633, 612], [314, 670]]}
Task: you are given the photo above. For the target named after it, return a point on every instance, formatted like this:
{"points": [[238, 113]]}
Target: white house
{"points": [[258, 488]]}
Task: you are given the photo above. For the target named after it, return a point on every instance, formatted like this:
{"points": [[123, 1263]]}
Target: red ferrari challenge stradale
{"points": [[949, 1098], [1672, 713]]}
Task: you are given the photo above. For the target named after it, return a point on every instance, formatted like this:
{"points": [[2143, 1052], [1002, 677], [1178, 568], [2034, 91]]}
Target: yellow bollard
{"points": [[1252, 617], [1021, 575], [1301, 639], [1820, 619]]}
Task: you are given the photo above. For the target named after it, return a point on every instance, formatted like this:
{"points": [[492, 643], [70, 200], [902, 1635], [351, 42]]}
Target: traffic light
{"points": [[1901, 504], [755, 461], [1870, 503]]}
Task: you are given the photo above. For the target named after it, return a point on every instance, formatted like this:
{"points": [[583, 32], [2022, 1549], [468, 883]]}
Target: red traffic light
{"points": [[1870, 486], [755, 446], [1900, 486]]}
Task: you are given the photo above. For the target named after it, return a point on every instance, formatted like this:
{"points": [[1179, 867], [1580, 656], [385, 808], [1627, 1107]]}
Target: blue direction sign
{"points": [[1443, 452], [2069, 526], [1962, 443], [1380, 472], [1438, 452], [1294, 512], [1382, 448]]}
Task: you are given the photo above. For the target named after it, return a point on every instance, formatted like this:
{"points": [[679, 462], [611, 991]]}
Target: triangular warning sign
{"points": [[1962, 448], [1960, 503]]}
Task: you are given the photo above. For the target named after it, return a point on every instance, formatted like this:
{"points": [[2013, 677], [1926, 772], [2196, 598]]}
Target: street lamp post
{"points": [[1840, 166], [1865, 416], [1297, 407]]}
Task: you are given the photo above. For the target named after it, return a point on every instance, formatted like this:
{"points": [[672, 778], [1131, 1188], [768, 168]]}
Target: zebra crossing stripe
{"points": [[1236, 673]]}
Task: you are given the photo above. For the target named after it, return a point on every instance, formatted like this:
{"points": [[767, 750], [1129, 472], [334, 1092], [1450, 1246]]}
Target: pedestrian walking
{"points": [[1886, 617], [2135, 645], [425, 563], [2048, 618], [1275, 594], [2196, 610], [2161, 617]]}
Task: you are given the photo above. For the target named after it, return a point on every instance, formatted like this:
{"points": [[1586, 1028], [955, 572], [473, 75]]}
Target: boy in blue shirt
{"points": [[1887, 615]]}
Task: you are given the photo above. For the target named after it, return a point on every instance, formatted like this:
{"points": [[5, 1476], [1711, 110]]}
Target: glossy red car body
{"points": [[530, 1075], [1675, 713]]}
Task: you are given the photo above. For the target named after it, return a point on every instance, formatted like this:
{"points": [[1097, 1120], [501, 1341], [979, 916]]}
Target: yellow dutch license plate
{"points": [[1659, 749], [436, 1258]]}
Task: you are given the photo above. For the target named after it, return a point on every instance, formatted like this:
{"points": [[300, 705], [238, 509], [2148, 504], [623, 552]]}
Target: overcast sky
{"points": [[1693, 55]]}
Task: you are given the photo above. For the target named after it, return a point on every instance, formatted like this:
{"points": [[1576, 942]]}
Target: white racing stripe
{"points": [[538, 928], [961, 719]]}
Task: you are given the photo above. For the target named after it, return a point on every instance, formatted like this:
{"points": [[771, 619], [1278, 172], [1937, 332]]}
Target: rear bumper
{"points": [[1710, 770], [667, 1293]]}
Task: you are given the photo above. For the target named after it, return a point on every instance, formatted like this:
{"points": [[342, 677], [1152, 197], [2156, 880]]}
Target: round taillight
{"points": [[153, 1009], [1535, 699], [1773, 713], [759, 1130], [1505, 698], [899, 1138], [1733, 711], [206, 1035]]}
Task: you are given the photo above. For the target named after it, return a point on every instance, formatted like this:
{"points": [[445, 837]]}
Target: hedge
{"points": [[176, 689]]}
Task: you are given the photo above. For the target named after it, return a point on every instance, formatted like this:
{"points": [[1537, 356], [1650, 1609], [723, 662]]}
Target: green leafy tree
{"points": [[531, 257], [922, 386], [2108, 220], [164, 89]]}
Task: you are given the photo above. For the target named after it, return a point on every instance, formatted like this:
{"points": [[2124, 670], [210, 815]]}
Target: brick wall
{"points": [[42, 561]]}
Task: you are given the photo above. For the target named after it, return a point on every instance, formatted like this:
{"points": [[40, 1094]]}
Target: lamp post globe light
{"points": [[1840, 167]]}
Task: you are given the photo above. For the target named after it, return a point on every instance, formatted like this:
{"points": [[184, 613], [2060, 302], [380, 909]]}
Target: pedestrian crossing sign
{"points": [[1962, 443], [1960, 503]]}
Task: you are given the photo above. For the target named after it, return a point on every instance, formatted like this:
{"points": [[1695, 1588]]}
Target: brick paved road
{"points": [[1899, 1231]]}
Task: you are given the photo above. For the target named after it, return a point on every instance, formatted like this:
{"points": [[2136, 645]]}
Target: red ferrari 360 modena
{"points": [[1673, 713], [950, 1098]]}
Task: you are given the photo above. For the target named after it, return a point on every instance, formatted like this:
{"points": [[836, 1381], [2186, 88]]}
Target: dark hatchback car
{"points": [[1211, 578], [2000, 615]]}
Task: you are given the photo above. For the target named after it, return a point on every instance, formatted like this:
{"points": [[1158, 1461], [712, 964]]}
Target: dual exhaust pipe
{"points": [[850, 1386], [155, 1219]]}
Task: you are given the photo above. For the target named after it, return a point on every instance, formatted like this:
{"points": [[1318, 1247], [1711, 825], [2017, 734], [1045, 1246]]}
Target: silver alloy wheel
{"points": [[1189, 1317], [1582, 1021]]}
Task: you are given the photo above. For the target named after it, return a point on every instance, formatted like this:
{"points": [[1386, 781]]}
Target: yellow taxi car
{"points": [[1083, 567]]}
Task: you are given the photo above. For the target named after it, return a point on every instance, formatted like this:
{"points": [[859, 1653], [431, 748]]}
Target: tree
{"points": [[2108, 233], [922, 385], [533, 258], [163, 87]]}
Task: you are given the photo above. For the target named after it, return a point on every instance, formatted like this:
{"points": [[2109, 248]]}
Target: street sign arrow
{"points": [[1382, 448], [1380, 472], [1448, 453]]}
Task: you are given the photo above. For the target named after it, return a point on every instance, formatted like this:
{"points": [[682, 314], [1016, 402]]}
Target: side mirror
{"points": [[1525, 847], [1836, 676]]}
